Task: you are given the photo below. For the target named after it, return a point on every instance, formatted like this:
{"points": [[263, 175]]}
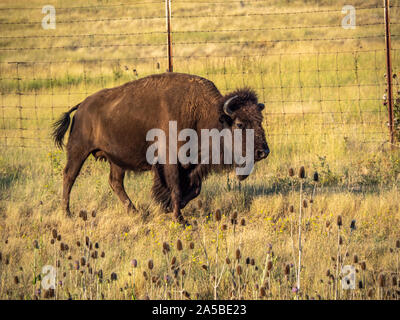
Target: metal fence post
{"points": [[389, 73], [169, 43]]}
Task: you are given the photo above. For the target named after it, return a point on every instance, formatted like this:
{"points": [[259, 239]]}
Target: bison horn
{"points": [[227, 110]]}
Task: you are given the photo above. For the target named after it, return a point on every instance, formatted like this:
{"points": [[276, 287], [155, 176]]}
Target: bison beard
{"points": [[162, 194]]}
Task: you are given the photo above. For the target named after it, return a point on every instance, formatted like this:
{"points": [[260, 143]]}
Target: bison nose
{"points": [[262, 154]]}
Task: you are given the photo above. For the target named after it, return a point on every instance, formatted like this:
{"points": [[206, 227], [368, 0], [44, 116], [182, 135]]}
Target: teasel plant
{"points": [[302, 175], [339, 223], [218, 275]]}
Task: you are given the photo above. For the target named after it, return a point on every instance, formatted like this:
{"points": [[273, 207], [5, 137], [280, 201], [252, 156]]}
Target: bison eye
{"points": [[261, 106], [240, 125]]}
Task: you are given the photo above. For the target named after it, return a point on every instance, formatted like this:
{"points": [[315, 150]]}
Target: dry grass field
{"points": [[322, 86]]}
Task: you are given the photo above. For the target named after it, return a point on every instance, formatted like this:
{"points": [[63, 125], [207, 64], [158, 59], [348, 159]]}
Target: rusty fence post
{"points": [[389, 76], [169, 40]]}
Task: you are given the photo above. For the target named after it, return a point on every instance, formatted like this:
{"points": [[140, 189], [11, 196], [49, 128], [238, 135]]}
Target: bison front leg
{"points": [[194, 191], [116, 181], [171, 172]]}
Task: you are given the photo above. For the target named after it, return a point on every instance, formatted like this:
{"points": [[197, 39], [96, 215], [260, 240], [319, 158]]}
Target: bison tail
{"points": [[60, 127]]}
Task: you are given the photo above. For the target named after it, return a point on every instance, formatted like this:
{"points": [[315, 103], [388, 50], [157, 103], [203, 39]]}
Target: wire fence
{"points": [[322, 83]]}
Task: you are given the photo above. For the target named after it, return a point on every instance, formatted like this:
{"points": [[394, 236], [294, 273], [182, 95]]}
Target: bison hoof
{"points": [[131, 208], [68, 213], [183, 221]]}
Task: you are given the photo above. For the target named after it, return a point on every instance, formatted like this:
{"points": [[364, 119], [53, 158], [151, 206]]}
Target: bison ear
{"points": [[261, 106], [224, 119]]}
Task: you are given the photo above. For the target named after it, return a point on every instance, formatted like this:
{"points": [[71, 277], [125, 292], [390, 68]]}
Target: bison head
{"points": [[241, 111]]}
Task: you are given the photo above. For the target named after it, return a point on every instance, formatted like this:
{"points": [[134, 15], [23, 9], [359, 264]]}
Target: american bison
{"points": [[112, 124]]}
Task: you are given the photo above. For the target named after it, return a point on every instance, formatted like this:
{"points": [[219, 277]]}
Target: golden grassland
{"points": [[324, 111]]}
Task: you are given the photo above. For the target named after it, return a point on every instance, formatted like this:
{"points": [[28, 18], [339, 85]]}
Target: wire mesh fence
{"points": [[322, 83]]}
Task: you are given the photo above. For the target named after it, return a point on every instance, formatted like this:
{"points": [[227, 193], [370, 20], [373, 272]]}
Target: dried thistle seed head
{"points": [[16, 280], [218, 215], [150, 265], [102, 254], [291, 208], [382, 280], [287, 269], [339, 221], [235, 215], [62, 246], [78, 243], [247, 260], [328, 223], [83, 215], [243, 222], [355, 259], [52, 241], [328, 273], [252, 262], [94, 213], [173, 261], [87, 241], [353, 225], [363, 265], [302, 172], [204, 267], [224, 227], [262, 292], [134, 263], [360, 284], [96, 245], [83, 261], [114, 276], [269, 265], [398, 244], [340, 240], [54, 233], [239, 269], [199, 204], [166, 247], [291, 172], [305, 204], [94, 254], [35, 245], [183, 272], [316, 177], [59, 237], [238, 254], [191, 246], [227, 260], [179, 245]]}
